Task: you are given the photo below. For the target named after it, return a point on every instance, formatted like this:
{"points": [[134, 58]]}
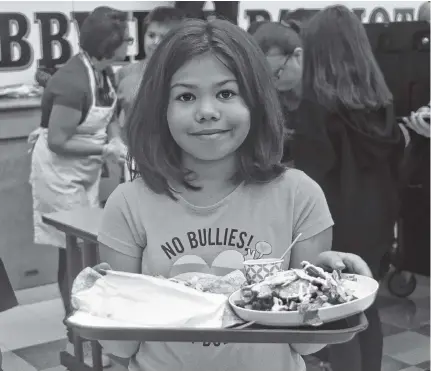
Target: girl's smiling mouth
{"points": [[210, 133]]}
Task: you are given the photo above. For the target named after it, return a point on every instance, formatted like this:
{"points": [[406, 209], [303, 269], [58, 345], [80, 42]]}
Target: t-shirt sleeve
{"points": [[69, 89], [311, 211], [121, 229]]}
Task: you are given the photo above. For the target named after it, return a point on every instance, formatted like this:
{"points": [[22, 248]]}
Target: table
{"points": [[83, 224]]}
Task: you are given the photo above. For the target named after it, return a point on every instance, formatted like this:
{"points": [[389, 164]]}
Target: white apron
{"points": [[62, 183]]}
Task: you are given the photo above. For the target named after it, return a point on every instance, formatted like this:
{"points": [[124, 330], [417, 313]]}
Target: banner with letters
{"points": [[45, 33]]}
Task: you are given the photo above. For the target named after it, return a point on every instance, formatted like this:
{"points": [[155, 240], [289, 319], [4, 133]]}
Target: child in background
{"points": [[206, 133], [156, 25]]}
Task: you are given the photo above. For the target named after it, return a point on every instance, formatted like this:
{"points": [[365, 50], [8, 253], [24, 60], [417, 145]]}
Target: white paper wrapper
{"points": [[121, 299]]}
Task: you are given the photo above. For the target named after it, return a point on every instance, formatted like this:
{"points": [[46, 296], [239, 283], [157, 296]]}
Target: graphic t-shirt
{"points": [[173, 237]]}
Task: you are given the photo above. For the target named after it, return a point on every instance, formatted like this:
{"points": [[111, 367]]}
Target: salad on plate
{"points": [[304, 290]]}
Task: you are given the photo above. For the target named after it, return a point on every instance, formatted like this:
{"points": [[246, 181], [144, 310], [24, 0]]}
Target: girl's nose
{"points": [[207, 111]]}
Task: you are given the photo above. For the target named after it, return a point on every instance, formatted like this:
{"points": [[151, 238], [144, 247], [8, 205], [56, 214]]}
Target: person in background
{"points": [[207, 95], [414, 223], [43, 74], [78, 131], [284, 50], [156, 25], [282, 46], [254, 26], [224, 9], [347, 139], [424, 12]]}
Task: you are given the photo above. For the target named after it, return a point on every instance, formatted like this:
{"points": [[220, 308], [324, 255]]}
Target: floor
{"points": [[32, 335]]}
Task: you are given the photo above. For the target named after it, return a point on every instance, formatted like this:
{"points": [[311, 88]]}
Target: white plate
{"points": [[364, 288]]}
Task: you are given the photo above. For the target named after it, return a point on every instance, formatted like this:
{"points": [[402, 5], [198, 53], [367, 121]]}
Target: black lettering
{"points": [[79, 18], [19, 25], [210, 241], [249, 241], [360, 13], [202, 233], [192, 239], [139, 21], [168, 250], [283, 16], [218, 241], [297, 15], [178, 245], [379, 14], [232, 237], [226, 232], [241, 242], [49, 39], [403, 14], [254, 15]]}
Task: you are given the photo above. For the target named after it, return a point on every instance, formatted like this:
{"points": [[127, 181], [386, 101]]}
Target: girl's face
{"points": [[155, 33], [207, 117], [287, 69]]}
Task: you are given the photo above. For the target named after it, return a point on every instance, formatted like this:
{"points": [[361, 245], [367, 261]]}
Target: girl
{"points": [[206, 133]]}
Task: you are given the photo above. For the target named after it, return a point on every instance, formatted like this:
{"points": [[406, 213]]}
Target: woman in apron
{"points": [[77, 132]]}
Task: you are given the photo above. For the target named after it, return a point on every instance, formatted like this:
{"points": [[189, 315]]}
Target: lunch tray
{"points": [[331, 333]]}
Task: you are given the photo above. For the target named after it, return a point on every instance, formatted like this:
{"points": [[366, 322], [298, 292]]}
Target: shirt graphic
{"points": [[213, 250]]}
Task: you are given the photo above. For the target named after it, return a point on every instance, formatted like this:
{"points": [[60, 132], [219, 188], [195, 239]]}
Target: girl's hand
{"points": [[352, 263]]}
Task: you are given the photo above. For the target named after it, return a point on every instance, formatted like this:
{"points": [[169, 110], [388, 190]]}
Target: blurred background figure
{"points": [[343, 134], [156, 25], [424, 12], [78, 131], [282, 45]]}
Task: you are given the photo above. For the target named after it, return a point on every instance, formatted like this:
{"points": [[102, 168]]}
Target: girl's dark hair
{"points": [[339, 68], [284, 36], [102, 32], [151, 146]]}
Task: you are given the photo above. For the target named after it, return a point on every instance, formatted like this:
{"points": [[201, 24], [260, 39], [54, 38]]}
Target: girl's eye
{"points": [[226, 94], [187, 97]]}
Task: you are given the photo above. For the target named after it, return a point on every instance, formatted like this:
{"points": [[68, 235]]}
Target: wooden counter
{"points": [[19, 117], [13, 104]]}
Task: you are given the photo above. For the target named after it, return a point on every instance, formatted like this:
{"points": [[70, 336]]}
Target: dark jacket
{"points": [[354, 156]]}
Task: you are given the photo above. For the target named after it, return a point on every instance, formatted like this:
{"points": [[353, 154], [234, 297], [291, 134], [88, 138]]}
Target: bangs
{"points": [[272, 34]]}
